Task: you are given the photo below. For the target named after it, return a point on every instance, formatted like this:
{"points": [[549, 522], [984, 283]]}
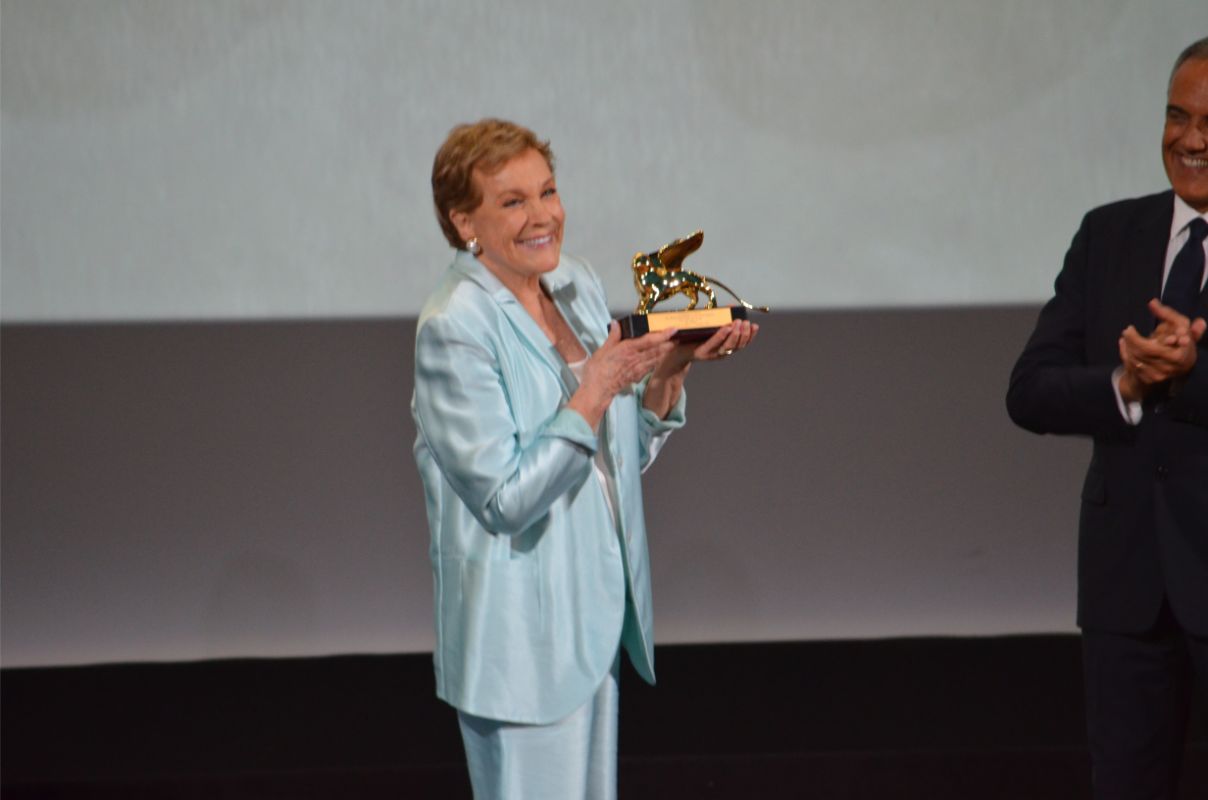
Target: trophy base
{"points": [[694, 325]]}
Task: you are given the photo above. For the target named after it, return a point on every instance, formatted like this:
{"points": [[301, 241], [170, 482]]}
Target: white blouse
{"points": [[599, 466]]}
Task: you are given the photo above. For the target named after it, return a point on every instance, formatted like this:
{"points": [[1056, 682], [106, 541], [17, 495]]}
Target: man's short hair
{"points": [[1197, 50]]}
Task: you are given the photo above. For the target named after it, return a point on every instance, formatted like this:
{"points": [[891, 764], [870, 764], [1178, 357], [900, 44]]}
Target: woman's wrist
{"points": [[589, 404], [663, 391], [672, 367]]}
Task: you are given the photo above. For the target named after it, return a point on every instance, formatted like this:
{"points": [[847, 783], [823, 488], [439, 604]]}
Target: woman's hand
{"points": [[614, 367], [663, 390], [725, 341]]}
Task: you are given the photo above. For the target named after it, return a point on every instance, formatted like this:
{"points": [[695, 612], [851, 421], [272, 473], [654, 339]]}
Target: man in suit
{"points": [[1110, 360]]}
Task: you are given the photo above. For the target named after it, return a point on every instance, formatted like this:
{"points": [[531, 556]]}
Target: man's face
{"points": [[1185, 138]]}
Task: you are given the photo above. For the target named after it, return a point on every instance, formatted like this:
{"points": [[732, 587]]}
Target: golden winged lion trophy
{"points": [[660, 275]]}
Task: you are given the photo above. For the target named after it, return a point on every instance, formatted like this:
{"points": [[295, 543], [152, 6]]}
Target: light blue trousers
{"points": [[571, 759]]}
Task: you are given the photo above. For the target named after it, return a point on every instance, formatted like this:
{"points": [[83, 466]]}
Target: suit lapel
{"points": [[592, 331], [564, 294], [1145, 258], [526, 328], [535, 339]]}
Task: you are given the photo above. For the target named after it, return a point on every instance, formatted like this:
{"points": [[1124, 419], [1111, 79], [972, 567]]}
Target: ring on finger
{"points": [[724, 353]]}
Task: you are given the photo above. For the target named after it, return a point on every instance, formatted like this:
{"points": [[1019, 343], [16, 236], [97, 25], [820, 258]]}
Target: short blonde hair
{"points": [[486, 145]]}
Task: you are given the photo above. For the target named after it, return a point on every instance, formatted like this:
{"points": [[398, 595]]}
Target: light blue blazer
{"points": [[535, 586]]}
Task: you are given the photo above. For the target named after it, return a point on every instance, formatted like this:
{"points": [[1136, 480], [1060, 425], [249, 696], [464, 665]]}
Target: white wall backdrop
{"points": [[185, 159]]}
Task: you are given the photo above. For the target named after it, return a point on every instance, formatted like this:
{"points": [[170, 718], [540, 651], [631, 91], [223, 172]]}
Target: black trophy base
{"points": [[693, 325]]}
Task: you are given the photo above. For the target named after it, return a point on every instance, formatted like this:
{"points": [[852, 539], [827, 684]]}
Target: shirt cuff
{"points": [[675, 418], [1129, 409], [570, 425]]}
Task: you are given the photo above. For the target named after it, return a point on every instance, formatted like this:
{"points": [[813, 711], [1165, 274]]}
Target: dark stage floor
{"points": [[983, 718]]}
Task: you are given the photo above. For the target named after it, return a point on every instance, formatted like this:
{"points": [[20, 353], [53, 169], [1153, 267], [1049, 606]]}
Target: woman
{"points": [[535, 420]]}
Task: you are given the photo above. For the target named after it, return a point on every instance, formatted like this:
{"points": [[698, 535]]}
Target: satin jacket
{"points": [[535, 586]]}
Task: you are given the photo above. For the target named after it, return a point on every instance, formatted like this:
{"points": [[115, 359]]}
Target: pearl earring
{"points": [[474, 247]]}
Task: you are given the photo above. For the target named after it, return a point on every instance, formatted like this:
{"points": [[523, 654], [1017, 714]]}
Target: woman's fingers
{"points": [[728, 340], [647, 357], [618, 363]]}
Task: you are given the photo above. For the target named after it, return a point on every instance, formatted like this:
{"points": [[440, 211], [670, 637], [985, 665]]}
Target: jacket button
{"points": [[1163, 471]]}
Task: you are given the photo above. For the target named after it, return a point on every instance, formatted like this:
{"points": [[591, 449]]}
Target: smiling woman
{"points": [[534, 424], [518, 224]]}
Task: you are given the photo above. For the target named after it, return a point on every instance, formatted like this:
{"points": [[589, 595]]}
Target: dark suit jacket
{"points": [[1143, 529]]}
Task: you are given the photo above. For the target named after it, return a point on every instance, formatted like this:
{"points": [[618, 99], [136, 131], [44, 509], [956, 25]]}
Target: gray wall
{"points": [[179, 491]]}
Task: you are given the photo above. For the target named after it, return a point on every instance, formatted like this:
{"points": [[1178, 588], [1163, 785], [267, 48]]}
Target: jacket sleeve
{"points": [[652, 431], [1053, 387], [463, 413]]}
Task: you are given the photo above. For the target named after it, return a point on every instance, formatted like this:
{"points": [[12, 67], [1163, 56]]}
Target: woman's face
{"points": [[519, 222]]}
